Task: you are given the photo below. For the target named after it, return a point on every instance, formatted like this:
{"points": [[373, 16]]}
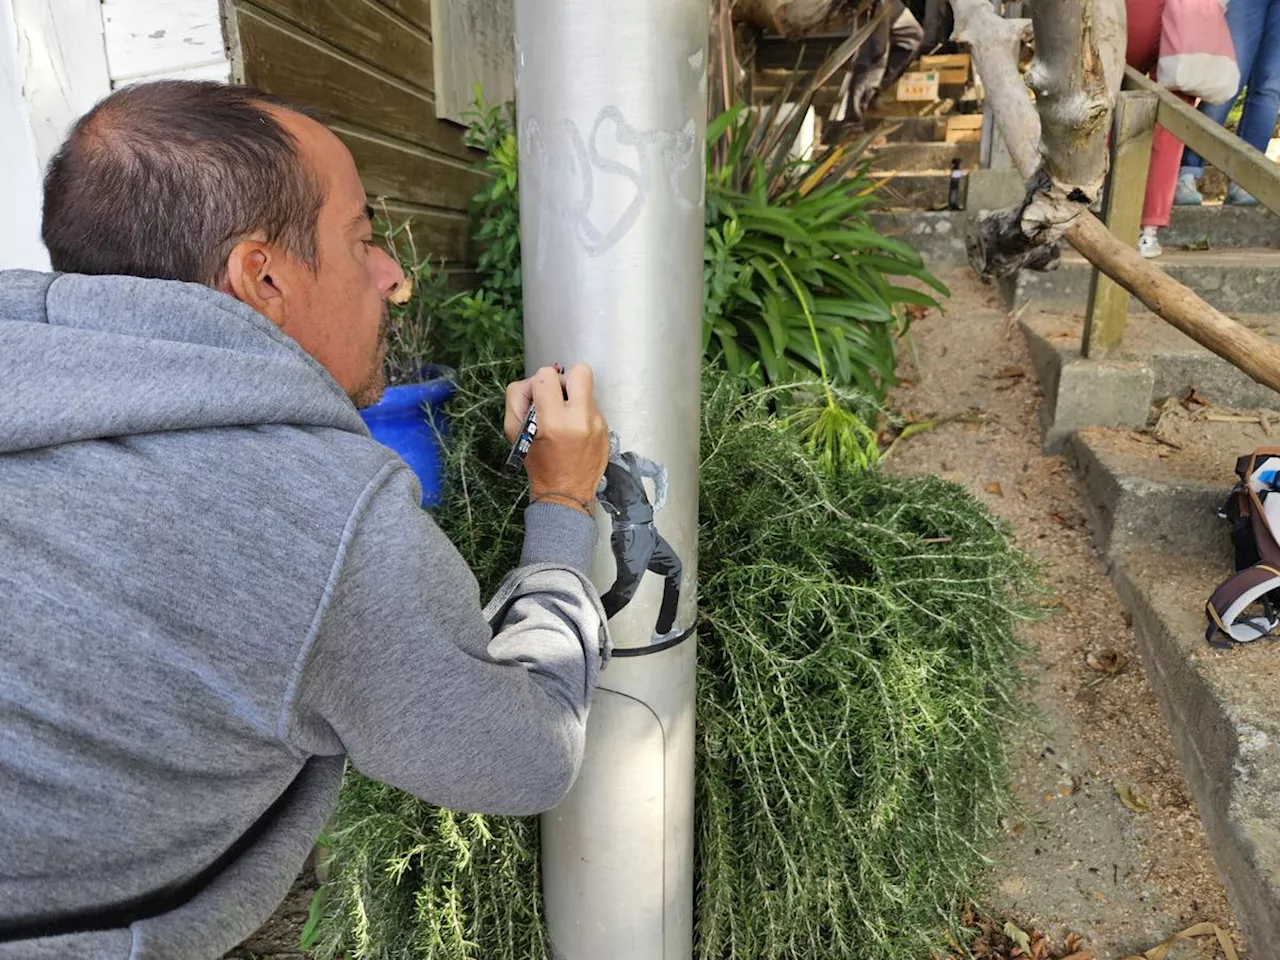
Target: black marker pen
{"points": [[528, 432]]}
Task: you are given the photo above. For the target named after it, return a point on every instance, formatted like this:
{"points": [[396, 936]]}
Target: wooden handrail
{"points": [[1242, 163], [1110, 249]]}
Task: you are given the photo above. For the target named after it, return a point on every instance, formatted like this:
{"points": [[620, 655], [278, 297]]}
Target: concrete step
{"points": [[918, 189], [1232, 280], [916, 130], [1142, 494], [938, 235], [1151, 506], [1174, 363], [1223, 711], [923, 156], [1221, 227]]}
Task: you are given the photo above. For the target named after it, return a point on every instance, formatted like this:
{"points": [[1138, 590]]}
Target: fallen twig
{"points": [[925, 426]]}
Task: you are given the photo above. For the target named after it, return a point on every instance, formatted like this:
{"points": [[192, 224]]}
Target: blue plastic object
{"points": [[409, 419]]}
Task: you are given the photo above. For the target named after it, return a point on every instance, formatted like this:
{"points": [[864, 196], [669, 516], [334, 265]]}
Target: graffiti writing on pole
{"points": [[573, 171]]}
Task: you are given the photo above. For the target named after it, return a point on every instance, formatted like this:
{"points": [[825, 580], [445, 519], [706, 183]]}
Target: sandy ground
{"points": [[1077, 859]]}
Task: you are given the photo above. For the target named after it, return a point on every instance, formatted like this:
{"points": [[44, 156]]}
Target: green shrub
{"points": [[495, 209], [856, 672]]}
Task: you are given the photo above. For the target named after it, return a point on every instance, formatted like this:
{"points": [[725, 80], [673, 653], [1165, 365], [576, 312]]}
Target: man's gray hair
{"points": [[163, 179]]}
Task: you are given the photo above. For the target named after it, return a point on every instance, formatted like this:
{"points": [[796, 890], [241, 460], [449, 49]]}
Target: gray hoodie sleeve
{"points": [[478, 709]]}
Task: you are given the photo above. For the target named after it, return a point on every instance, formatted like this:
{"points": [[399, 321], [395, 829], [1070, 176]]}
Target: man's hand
{"points": [[569, 453]]}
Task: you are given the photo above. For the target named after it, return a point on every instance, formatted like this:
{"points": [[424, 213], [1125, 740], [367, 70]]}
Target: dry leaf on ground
{"points": [[1206, 929], [995, 489], [1018, 936], [1132, 800], [1106, 661], [1193, 399]]}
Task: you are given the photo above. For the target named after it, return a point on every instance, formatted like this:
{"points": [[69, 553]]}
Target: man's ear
{"points": [[254, 277]]}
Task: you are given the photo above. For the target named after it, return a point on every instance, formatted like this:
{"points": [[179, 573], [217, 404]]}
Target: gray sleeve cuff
{"points": [[558, 534]]}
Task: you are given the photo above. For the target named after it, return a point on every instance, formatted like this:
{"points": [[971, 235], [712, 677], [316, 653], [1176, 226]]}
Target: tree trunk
{"points": [[995, 57], [1060, 143], [790, 18]]}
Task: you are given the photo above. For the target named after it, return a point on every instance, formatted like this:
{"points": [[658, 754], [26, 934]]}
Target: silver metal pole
{"points": [[611, 111]]}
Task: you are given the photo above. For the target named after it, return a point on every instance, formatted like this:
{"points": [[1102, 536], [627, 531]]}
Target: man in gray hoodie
{"points": [[215, 587]]}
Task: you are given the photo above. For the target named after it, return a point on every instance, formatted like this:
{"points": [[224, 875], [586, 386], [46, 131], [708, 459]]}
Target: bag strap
{"points": [[1232, 597], [149, 905], [1249, 584]]}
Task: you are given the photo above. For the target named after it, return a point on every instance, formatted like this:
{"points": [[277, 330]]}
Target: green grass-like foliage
{"points": [[856, 672], [797, 282]]}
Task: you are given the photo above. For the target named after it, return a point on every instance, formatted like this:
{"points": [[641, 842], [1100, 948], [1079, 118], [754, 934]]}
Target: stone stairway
{"points": [[1151, 435], [1152, 481], [1229, 255], [1154, 363], [1151, 507], [914, 165]]}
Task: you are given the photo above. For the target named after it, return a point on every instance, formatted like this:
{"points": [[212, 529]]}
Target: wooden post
{"points": [[1131, 135]]}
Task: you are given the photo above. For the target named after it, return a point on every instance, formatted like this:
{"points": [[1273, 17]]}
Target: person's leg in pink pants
{"points": [[1142, 52]]}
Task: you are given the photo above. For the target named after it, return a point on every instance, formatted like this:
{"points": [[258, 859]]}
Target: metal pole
{"points": [[611, 111]]}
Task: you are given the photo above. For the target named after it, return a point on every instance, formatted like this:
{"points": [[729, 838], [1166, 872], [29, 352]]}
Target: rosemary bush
{"points": [[856, 673]]}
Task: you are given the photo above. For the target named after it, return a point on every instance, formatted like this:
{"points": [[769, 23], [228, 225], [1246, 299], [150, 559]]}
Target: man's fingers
{"points": [[579, 383], [548, 392], [519, 397]]}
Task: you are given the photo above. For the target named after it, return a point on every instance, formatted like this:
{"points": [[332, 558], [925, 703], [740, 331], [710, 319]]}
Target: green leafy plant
{"points": [[798, 282], [856, 675], [796, 278], [834, 312], [495, 209]]}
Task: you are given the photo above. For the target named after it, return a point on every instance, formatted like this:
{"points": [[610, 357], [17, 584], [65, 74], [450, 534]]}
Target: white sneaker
{"points": [[1149, 246], [1237, 196], [1187, 193]]}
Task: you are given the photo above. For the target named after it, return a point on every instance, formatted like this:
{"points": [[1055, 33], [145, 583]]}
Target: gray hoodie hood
{"points": [[84, 358]]}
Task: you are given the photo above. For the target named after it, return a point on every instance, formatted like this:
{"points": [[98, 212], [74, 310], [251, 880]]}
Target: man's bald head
{"points": [[163, 179]]}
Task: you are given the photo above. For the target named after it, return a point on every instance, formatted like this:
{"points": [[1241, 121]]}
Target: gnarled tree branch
{"points": [[1018, 121], [1060, 143]]}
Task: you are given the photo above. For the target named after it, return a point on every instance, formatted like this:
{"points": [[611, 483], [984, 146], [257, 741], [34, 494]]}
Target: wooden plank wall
{"points": [[369, 66], [474, 45]]}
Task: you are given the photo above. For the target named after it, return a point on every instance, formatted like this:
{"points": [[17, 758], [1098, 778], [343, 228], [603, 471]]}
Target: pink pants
{"points": [[1166, 150]]}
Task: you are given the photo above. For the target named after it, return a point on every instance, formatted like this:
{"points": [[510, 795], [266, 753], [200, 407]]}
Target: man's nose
{"points": [[387, 272]]}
